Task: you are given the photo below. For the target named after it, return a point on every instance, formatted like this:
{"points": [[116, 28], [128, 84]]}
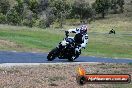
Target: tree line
{"points": [[43, 13]]}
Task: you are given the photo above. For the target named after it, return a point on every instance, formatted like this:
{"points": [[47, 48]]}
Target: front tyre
{"points": [[71, 59], [52, 54]]}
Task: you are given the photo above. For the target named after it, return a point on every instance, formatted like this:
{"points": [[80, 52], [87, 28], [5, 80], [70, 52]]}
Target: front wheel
{"points": [[52, 54], [74, 57], [71, 59]]}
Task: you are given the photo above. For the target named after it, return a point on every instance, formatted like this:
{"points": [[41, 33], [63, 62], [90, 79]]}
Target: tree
{"points": [[30, 13], [47, 18], [121, 4], [13, 17], [2, 18], [82, 9], [4, 6], [32, 5], [17, 10], [114, 6], [61, 9], [101, 7], [19, 7], [42, 5]]}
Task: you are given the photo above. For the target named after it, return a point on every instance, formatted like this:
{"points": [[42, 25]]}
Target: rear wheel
{"points": [[52, 54]]}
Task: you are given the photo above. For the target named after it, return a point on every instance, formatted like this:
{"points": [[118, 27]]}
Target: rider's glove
{"points": [[66, 33]]}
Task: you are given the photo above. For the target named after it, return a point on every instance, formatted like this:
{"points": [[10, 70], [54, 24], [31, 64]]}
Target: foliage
{"points": [[117, 4], [42, 5], [44, 13], [114, 5], [13, 17], [82, 10], [2, 18], [4, 6], [101, 7], [61, 9], [19, 7], [32, 5], [29, 18], [121, 3]]}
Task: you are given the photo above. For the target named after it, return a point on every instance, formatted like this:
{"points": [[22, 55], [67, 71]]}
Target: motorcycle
{"points": [[65, 50]]}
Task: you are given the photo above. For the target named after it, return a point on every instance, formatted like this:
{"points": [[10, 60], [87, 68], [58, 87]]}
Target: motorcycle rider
{"points": [[81, 38]]}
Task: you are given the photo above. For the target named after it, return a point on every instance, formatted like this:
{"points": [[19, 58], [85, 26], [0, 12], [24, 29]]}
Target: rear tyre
{"points": [[52, 54]]}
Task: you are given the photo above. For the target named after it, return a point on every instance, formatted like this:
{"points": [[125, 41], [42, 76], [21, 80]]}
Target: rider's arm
{"points": [[76, 30], [71, 31], [83, 45]]}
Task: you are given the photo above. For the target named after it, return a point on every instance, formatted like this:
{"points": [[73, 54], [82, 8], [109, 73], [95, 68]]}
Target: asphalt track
{"points": [[28, 57]]}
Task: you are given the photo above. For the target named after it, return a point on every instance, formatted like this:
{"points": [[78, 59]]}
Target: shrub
{"points": [[4, 6], [61, 10], [101, 7], [82, 10], [114, 6], [2, 18], [121, 4], [29, 22], [13, 17]]}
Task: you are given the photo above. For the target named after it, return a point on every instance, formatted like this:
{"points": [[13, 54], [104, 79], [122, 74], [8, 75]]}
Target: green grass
{"points": [[28, 38], [109, 46], [119, 45], [40, 40]]}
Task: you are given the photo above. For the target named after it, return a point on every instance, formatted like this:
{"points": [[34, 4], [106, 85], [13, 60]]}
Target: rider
{"points": [[81, 38]]}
